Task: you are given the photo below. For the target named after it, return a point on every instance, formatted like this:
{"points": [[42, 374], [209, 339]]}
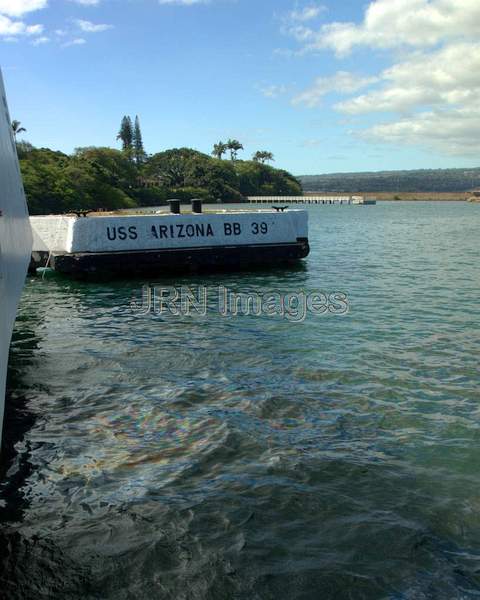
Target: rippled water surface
{"points": [[188, 457]]}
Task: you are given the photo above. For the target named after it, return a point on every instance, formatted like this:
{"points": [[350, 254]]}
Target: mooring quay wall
{"points": [[70, 234]]}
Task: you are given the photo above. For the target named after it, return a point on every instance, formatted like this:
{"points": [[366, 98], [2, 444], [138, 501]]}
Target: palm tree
{"points": [[219, 150], [17, 129], [262, 156], [234, 146]]}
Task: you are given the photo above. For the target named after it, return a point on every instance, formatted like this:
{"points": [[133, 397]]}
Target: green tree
{"points": [[16, 128], [256, 179], [47, 187], [219, 150], [23, 148], [92, 178], [185, 169], [234, 146], [263, 156], [126, 134], [138, 149], [171, 169], [108, 165]]}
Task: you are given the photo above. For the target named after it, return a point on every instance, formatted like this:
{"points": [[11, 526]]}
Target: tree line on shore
{"points": [[105, 178], [417, 180]]}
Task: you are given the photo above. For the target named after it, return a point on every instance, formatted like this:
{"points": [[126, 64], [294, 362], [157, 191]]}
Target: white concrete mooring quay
{"points": [[311, 199], [160, 243]]}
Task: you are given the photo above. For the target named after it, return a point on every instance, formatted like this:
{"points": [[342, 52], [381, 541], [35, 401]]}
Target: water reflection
{"points": [[248, 457]]}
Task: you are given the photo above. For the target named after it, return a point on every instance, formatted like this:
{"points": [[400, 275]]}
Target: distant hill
{"points": [[422, 180]]}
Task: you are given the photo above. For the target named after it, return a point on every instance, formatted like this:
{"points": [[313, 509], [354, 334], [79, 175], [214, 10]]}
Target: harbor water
{"points": [[210, 456]]}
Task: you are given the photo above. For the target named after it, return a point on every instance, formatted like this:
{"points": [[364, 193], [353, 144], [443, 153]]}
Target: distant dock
{"points": [[311, 199]]}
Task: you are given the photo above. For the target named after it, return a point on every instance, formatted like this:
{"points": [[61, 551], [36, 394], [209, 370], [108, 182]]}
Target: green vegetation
{"points": [[219, 150], [132, 140], [93, 178], [138, 149], [126, 134], [103, 178], [234, 146], [424, 180], [256, 179], [17, 128], [263, 156]]}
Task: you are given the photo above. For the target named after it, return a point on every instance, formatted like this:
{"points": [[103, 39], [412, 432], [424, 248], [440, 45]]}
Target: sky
{"points": [[326, 86]]}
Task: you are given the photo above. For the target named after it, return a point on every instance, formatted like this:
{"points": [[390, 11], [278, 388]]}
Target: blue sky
{"points": [[326, 86]]}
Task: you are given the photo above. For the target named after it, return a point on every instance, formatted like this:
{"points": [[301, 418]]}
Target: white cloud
{"points": [[34, 29], [184, 2], [449, 76], [17, 8], [311, 143], [273, 91], [342, 82], [395, 23], [40, 40], [455, 132], [304, 14], [430, 92], [11, 28], [75, 42], [436, 95], [89, 27]]}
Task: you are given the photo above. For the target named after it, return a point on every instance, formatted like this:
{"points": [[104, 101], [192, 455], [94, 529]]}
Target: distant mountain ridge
{"points": [[419, 180]]}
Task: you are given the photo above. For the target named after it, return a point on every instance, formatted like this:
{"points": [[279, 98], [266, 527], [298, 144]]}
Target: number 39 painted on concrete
{"points": [[259, 228]]}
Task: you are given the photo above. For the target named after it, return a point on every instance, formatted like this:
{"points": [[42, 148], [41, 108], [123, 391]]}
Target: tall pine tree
{"points": [[138, 149], [126, 134]]}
